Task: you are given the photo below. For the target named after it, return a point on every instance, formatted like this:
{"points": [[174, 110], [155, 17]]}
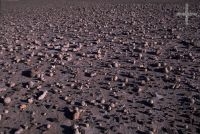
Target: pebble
{"points": [[76, 131], [93, 74], [123, 84], [31, 84], [66, 98], [166, 70], [87, 125], [48, 126], [6, 111], [11, 84], [7, 100], [151, 132], [51, 74], [112, 105], [140, 55], [23, 107], [139, 89], [103, 101], [109, 108], [0, 117], [19, 131], [76, 115], [126, 80], [41, 97], [115, 78], [166, 77], [150, 102], [2, 89], [159, 96], [83, 103], [116, 64], [75, 126]]}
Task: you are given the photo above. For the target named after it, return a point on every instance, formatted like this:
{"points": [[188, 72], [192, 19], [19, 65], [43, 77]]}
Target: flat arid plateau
{"points": [[96, 67]]}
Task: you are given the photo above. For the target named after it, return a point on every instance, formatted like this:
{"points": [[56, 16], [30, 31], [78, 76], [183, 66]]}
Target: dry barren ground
{"points": [[94, 67]]}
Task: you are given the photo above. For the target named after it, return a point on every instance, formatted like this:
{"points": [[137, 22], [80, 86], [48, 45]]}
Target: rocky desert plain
{"points": [[99, 67]]}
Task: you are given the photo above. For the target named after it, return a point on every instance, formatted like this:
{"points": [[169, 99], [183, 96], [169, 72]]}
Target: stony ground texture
{"points": [[94, 67]]}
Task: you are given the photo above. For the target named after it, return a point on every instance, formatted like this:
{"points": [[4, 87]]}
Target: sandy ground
{"points": [[91, 67]]}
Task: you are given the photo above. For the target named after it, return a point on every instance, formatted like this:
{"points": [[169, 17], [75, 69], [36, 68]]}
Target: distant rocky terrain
{"points": [[99, 67]]}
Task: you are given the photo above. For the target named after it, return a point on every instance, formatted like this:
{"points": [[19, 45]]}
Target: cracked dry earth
{"points": [[91, 67]]}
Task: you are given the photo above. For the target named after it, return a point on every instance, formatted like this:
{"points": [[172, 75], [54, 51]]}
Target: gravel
{"points": [[103, 66], [7, 100], [43, 95]]}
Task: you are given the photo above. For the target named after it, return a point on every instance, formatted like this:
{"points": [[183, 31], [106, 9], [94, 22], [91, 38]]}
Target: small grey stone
{"points": [[19, 131], [7, 100]]}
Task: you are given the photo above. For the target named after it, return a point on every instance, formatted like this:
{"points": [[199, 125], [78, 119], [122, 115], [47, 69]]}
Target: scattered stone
{"points": [[76, 115], [83, 103], [2, 89], [134, 61], [87, 125], [51, 74], [103, 101], [23, 107], [31, 84], [115, 78], [7, 100], [93, 74], [11, 84], [42, 96], [48, 126], [139, 89], [19, 131], [66, 98], [6, 111], [116, 64], [76, 131], [112, 105], [159, 96], [166, 70]]}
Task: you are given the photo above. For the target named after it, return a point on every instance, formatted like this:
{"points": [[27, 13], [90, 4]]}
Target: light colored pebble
{"points": [[66, 98], [23, 107], [76, 115], [6, 111], [11, 84], [7, 100], [116, 64], [41, 97], [2, 89], [103, 101], [166, 70], [83, 103], [112, 105], [30, 100], [77, 131], [139, 89], [115, 78], [48, 126], [31, 84], [19, 131], [159, 96], [87, 125]]}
